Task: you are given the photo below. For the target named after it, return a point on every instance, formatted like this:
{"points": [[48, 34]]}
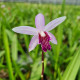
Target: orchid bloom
{"points": [[41, 34]]}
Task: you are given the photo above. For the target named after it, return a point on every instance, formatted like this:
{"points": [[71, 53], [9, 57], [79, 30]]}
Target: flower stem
{"points": [[42, 75]]}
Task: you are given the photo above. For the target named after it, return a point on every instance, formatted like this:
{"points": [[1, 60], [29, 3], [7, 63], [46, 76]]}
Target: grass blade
{"points": [[7, 54], [73, 67], [18, 71], [14, 48]]}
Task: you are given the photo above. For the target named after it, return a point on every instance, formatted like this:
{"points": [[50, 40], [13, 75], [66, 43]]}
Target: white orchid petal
{"points": [[52, 37], [34, 41], [51, 25], [25, 30], [40, 21]]}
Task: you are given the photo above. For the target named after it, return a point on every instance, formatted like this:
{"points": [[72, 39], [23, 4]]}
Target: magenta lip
{"points": [[44, 41]]}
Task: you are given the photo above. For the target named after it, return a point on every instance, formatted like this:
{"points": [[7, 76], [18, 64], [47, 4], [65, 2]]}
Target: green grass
{"points": [[61, 63]]}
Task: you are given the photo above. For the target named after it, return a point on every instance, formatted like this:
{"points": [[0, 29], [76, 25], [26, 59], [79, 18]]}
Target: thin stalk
{"points": [[42, 75]]}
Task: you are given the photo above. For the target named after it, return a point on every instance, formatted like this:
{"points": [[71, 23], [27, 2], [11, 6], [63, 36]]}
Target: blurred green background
{"points": [[17, 63]]}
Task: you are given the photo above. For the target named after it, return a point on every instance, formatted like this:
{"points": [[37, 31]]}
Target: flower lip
{"points": [[44, 41]]}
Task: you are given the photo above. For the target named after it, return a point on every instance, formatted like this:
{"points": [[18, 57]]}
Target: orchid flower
{"points": [[41, 32]]}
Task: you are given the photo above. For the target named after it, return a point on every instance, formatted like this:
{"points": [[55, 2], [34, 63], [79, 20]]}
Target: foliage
{"points": [[61, 63]]}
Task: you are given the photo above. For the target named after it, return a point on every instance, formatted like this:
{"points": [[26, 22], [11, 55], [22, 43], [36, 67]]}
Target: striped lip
{"points": [[44, 39]]}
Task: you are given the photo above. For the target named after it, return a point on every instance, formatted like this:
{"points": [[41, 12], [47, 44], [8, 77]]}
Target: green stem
{"points": [[42, 75]]}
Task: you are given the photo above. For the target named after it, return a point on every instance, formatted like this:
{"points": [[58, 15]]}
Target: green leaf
{"points": [[18, 70], [73, 67], [10, 34], [20, 48], [7, 54], [26, 39], [2, 53], [79, 75], [14, 48], [37, 69]]}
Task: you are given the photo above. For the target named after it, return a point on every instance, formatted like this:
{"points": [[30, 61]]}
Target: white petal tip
{"points": [[55, 43], [30, 50], [64, 17], [13, 29], [40, 14]]}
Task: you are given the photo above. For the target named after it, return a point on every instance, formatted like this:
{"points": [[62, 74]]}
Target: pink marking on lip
{"points": [[44, 41]]}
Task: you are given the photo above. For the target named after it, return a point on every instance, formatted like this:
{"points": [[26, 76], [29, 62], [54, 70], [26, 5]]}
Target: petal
{"points": [[34, 41], [39, 21], [25, 30], [52, 37], [51, 25]]}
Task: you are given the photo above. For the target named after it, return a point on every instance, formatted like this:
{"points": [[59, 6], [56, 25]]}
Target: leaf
{"points": [[20, 48], [73, 67], [10, 34], [18, 70], [79, 75], [2, 53], [7, 54], [37, 69], [14, 48], [26, 39]]}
